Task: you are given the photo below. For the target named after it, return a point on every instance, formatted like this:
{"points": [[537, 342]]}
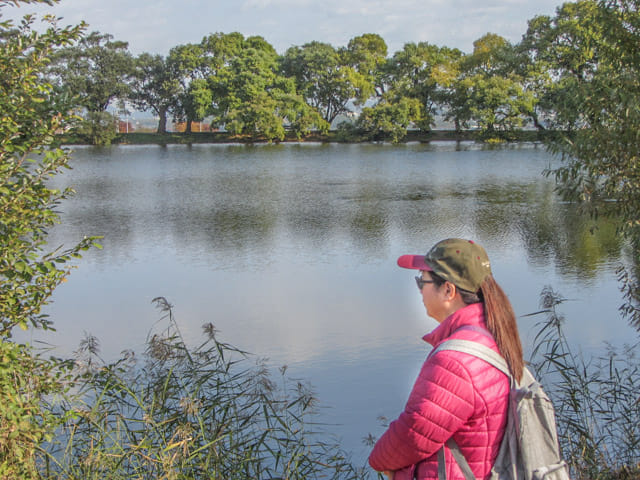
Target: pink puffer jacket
{"points": [[456, 395]]}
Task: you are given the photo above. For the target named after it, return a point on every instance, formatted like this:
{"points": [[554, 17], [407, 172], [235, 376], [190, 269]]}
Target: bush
{"points": [[30, 115], [390, 120], [25, 380], [98, 128]]}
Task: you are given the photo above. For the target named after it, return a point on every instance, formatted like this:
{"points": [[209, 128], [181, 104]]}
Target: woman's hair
{"points": [[500, 319], [501, 322]]}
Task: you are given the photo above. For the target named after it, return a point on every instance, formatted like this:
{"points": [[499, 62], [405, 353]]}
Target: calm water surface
{"points": [[289, 250]]}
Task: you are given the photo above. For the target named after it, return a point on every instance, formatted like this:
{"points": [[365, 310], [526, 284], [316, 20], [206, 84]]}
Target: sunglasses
{"points": [[421, 282]]}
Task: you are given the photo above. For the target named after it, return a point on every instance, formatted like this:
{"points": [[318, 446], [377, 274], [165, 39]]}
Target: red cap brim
{"points": [[415, 262]]}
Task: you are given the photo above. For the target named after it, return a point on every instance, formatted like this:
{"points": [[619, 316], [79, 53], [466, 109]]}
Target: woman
{"points": [[456, 395]]}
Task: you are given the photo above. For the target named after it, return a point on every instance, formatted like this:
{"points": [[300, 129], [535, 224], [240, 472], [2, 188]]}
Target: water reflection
{"points": [[200, 198], [290, 251]]}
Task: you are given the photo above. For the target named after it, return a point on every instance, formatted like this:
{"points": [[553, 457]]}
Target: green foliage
{"points": [[252, 98], [323, 77], [367, 54], [182, 412], [97, 128], [596, 400], [490, 53], [422, 72], [25, 380], [219, 48], [95, 71], [390, 120], [155, 87], [494, 103], [30, 115], [197, 100], [185, 64], [561, 57], [601, 169], [489, 93]]}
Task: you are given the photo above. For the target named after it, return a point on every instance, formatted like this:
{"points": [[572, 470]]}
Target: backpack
{"points": [[529, 448]]}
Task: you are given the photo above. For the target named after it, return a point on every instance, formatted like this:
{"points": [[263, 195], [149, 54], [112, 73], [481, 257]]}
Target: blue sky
{"points": [[156, 26]]}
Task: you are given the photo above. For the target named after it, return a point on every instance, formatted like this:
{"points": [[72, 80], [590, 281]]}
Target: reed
{"points": [[597, 400], [178, 412]]}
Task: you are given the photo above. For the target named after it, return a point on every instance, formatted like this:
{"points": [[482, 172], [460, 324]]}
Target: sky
{"points": [[155, 26]]}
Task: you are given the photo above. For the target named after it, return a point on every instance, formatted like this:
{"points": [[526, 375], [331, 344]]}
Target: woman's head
{"points": [[441, 297], [461, 262], [456, 273]]}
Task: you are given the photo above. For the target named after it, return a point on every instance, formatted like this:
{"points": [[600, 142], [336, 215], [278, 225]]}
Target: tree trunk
{"points": [[536, 122], [187, 128], [162, 122]]}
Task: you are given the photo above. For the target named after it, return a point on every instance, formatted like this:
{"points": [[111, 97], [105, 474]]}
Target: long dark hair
{"points": [[500, 320]]}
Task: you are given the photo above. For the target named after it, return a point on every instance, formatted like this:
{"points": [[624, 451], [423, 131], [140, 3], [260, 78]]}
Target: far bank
{"points": [[336, 136]]}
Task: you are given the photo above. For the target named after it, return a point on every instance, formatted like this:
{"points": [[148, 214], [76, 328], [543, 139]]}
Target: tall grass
{"points": [[206, 412], [597, 400]]}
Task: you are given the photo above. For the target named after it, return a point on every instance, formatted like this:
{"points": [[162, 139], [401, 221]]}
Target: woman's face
{"points": [[434, 298]]}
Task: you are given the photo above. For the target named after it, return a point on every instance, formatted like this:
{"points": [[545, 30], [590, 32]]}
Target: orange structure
{"points": [[195, 127]]}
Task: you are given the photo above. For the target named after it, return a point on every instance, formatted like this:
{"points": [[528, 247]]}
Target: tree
{"points": [[324, 79], [219, 48], [389, 120], [155, 87], [601, 168], [191, 64], [187, 63], [488, 92], [30, 115], [411, 86], [494, 103], [251, 97], [96, 70], [490, 53], [367, 54], [422, 71], [197, 101], [560, 55]]}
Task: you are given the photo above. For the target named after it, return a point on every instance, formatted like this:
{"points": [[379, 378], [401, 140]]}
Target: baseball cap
{"points": [[461, 262]]}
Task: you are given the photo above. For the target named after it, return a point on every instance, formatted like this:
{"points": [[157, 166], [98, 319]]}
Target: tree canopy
{"points": [[97, 69], [245, 87]]}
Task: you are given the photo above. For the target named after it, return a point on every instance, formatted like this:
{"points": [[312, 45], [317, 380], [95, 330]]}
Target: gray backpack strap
{"points": [[462, 462], [477, 350], [458, 456], [442, 465]]}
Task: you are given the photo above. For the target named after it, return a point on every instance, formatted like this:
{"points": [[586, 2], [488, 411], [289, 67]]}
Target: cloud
{"points": [[160, 25], [263, 4]]}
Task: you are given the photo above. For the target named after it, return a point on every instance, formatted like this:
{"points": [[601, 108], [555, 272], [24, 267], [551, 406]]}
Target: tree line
{"points": [[246, 87]]}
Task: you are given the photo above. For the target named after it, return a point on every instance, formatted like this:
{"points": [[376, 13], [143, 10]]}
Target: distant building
{"points": [[195, 127], [125, 127]]}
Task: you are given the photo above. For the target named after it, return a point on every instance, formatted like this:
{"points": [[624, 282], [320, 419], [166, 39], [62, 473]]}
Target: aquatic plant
{"points": [[597, 400], [189, 412]]}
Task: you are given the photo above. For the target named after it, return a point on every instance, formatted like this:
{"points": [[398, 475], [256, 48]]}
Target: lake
{"points": [[290, 251]]}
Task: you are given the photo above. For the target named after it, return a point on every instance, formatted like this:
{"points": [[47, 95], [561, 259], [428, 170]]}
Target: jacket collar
{"points": [[470, 315]]}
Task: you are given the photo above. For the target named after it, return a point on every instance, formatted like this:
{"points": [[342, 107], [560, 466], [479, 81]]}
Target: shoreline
{"points": [[148, 138]]}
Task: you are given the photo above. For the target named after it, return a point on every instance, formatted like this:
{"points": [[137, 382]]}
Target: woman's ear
{"points": [[450, 290]]}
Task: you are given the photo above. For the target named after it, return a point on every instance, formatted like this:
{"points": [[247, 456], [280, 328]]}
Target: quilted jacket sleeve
{"points": [[441, 401]]}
